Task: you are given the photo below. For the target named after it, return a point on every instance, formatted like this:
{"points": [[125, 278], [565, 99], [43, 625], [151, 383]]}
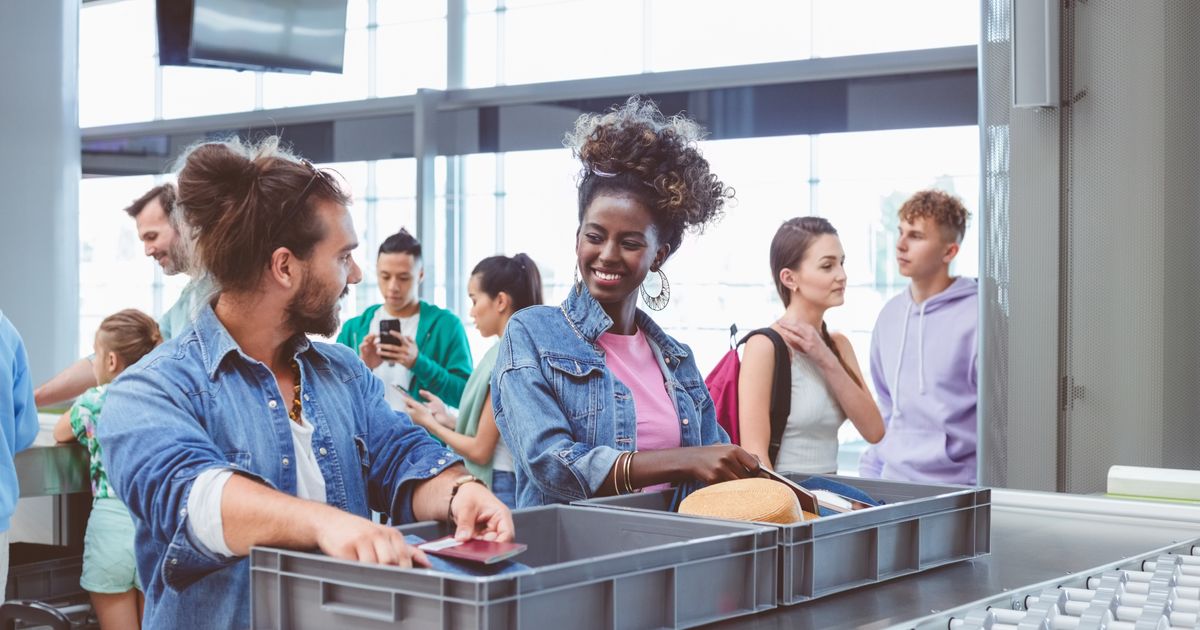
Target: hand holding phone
{"points": [[385, 328]]}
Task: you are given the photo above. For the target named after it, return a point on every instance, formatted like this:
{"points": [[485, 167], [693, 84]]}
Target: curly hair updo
{"points": [[635, 151]]}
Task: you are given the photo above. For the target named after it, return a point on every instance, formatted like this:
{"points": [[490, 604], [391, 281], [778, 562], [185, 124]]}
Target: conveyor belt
{"points": [[1039, 540], [1164, 596]]}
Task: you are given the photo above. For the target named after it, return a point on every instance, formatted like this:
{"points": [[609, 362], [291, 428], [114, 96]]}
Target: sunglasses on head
{"points": [[298, 202]]}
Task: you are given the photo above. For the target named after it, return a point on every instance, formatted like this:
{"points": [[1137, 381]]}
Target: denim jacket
{"points": [[198, 402], [563, 414]]}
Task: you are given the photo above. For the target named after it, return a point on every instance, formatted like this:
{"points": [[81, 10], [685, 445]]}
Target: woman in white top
{"points": [[827, 385]]}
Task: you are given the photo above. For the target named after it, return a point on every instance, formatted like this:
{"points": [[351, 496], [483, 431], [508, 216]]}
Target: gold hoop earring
{"points": [[657, 302]]}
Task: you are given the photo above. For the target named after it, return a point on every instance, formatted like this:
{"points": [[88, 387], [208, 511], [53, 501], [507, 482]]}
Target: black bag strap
{"points": [[781, 388]]}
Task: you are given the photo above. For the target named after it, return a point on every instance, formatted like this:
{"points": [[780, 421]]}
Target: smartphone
{"points": [[386, 325], [475, 550], [404, 391]]}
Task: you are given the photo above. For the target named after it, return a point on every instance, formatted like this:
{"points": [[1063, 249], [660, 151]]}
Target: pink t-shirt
{"points": [[634, 364]]}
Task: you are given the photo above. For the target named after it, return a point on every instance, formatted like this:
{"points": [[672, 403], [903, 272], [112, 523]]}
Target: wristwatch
{"points": [[459, 482]]}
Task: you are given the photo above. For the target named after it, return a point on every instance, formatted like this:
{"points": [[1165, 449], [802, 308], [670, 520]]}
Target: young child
{"points": [[927, 384], [109, 571]]}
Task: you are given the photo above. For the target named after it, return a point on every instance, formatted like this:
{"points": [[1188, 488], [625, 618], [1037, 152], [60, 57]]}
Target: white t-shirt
{"points": [[310, 483], [502, 457], [204, 499], [391, 372]]}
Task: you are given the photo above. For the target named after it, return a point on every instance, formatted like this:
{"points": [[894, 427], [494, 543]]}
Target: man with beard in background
{"points": [[242, 432], [164, 240]]}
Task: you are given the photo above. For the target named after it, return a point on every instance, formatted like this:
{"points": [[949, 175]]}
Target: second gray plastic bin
{"points": [[920, 527], [44, 572], [589, 569]]}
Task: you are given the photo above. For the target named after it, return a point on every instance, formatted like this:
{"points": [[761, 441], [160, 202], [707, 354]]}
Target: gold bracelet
{"points": [[617, 473], [629, 472]]}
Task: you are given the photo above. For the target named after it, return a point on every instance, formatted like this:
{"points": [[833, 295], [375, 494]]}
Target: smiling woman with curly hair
{"points": [[592, 397]]}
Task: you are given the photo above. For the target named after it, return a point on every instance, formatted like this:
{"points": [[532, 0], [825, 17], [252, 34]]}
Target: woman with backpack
{"points": [[826, 383], [592, 397]]}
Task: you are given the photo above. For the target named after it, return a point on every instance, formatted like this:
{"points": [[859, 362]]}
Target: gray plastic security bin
{"points": [[44, 572], [43, 588], [920, 527], [589, 568]]}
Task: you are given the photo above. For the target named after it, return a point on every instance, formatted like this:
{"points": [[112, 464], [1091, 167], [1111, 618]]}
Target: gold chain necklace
{"points": [[297, 408]]}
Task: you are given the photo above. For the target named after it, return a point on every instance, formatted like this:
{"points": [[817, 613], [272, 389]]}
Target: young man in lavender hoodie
{"points": [[923, 353]]}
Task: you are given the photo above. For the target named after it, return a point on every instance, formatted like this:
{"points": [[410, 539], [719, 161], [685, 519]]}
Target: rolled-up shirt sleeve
{"points": [[205, 524], [400, 454], [536, 430], [154, 450]]}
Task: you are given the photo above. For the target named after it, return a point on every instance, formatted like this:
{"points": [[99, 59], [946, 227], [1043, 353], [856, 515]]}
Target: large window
{"points": [[401, 50], [118, 63], [722, 277], [394, 47], [114, 272], [529, 41], [862, 178], [525, 201], [859, 27]]}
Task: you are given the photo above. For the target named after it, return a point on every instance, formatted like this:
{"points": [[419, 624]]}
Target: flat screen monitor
{"points": [[271, 35]]}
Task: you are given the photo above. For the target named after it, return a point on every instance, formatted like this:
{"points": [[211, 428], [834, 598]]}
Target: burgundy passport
{"points": [[475, 550]]}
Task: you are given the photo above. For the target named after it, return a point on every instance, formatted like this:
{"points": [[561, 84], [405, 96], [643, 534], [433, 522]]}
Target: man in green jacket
{"points": [[428, 347]]}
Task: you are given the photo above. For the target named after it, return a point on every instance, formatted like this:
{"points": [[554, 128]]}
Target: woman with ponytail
{"points": [[499, 287], [827, 385]]}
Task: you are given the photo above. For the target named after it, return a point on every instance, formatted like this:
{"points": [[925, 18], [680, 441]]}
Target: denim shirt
{"points": [[563, 414], [198, 402]]}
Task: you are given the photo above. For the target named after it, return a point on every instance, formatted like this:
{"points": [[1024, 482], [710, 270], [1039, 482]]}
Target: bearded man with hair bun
{"points": [[241, 431]]}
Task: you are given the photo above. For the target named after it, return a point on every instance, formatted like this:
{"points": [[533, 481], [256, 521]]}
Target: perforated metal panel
{"points": [[994, 69], [1091, 288], [1019, 271], [1181, 240], [1131, 198]]}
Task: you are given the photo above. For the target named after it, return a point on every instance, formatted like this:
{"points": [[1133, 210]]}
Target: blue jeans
{"points": [[504, 486]]}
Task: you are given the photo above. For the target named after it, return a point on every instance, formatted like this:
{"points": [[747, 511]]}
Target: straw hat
{"points": [[747, 500]]}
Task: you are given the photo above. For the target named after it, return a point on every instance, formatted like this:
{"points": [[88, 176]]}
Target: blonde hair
{"points": [[130, 333], [946, 210]]}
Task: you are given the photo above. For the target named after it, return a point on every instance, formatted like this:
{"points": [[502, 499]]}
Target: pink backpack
{"points": [[722, 384]]}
